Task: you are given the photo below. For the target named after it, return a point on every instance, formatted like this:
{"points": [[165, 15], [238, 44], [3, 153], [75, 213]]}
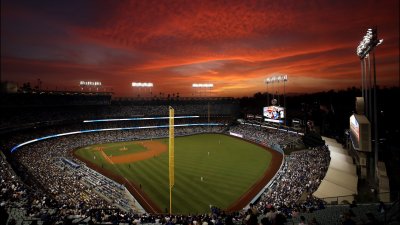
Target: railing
{"points": [[347, 199]]}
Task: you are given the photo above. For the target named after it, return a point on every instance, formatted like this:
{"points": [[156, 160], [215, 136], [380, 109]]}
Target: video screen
{"points": [[274, 114], [360, 133], [355, 127]]}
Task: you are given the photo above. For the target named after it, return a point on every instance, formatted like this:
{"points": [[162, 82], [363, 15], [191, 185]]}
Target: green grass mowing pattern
{"points": [[232, 167]]}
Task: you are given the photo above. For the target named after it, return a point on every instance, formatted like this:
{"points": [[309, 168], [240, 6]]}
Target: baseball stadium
{"points": [[187, 159], [199, 113]]}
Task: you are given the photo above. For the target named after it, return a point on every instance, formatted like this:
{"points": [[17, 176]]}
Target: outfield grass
{"points": [[229, 167]]}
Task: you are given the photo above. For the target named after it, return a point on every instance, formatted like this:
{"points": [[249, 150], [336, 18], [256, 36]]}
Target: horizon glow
{"points": [[235, 46]]}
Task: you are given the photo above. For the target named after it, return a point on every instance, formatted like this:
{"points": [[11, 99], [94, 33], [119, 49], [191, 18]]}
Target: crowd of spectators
{"points": [[76, 189], [16, 194], [157, 122], [48, 189], [112, 191], [273, 138], [33, 133], [12, 188], [14, 117], [300, 176], [41, 161]]}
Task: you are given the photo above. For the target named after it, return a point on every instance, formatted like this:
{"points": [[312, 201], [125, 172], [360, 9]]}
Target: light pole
{"points": [[267, 92], [145, 85], [278, 79], [205, 86], [90, 84], [367, 45]]}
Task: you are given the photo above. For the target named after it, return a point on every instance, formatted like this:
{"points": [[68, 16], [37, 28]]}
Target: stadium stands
{"points": [[43, 184], [14, 117], [341, 178], [275, 139]]}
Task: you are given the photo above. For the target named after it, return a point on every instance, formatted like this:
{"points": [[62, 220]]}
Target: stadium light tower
{"points": [[367, 45], [277, 79], [90, 84], [204, 86], [144, 85]]}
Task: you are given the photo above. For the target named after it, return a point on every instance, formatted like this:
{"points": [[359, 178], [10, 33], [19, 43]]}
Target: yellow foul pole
{"points": [[171, 156]]}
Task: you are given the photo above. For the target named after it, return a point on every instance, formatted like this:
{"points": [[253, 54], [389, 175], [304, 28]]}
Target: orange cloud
{"points": [[234, 44]]}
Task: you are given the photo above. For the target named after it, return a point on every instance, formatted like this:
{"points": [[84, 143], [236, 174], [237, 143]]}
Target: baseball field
{"points": [[210, 169]]}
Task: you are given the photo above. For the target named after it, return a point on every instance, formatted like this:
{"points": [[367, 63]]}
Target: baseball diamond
{"points": [[211, 169]]}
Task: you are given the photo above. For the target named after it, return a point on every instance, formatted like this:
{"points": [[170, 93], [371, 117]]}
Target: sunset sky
{"points": [[233, 44]]}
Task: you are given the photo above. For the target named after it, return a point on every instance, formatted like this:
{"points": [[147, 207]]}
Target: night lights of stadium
{"points": [[139, 84], [90, 83], [273, 79], [368, 43], [202, 85]]}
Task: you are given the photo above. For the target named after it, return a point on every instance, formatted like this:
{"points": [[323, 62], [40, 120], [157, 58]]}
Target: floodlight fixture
{"points": [[368, 43], [140, 84], [207, 85], [90, 83], [276, 79]]}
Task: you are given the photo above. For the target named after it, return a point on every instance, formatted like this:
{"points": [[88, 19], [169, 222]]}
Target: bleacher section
{"points": [[12, 117], [340, 183], [112, 191], [59, 190]]}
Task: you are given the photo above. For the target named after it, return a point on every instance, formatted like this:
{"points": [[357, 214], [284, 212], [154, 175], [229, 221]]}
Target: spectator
{"points": [[381, 207], [314, 222], [347, 220], [302, 220]]}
